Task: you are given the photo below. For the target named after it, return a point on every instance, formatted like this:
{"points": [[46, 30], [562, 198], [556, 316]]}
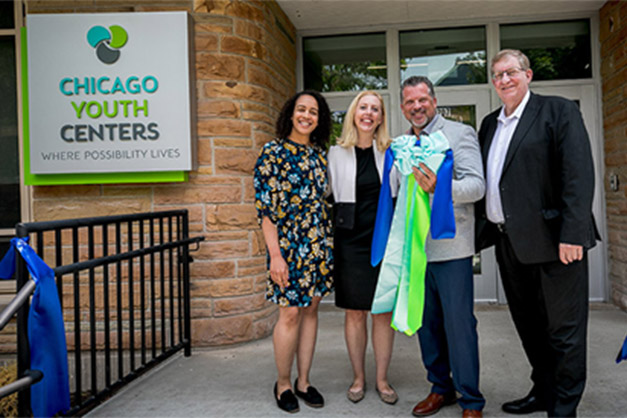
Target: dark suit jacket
{"points": [[547, 184]]}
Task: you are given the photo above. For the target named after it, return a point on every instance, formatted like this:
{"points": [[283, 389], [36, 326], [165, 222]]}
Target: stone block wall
{"points": [[245, 60], [613, 38]]}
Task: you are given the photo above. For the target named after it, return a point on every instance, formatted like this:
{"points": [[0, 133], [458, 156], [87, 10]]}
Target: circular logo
{"points": [[107, 42]]}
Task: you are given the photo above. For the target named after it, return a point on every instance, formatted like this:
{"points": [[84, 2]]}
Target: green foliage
{"points": [[476, 65], [560, 63], [369, 75], [337, 120]]}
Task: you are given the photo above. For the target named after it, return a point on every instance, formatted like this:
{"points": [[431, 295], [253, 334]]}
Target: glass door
{"points": [[338, 105], [586, 97], [470, 107]]}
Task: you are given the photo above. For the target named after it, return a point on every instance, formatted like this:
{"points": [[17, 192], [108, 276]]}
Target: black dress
{"points": [[355, 279]]}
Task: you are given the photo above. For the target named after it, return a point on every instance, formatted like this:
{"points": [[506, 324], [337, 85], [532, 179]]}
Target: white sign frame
{"points": [[88, 114]]}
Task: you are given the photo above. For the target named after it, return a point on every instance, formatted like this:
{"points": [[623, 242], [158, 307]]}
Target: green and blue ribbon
{"points": [[400, 233], [46, 332]]}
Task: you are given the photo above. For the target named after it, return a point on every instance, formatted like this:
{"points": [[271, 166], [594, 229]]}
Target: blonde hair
{"points": [[349, 130]]}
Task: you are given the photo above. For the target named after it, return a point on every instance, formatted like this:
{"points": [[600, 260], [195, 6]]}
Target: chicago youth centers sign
{"points": [[109, 93]]}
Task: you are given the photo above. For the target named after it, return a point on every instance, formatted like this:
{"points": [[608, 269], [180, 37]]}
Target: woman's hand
{"points": [[279, 272]]}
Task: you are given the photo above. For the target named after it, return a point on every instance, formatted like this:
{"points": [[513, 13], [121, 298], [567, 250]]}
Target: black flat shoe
{"points": [[312, 397], [526, 405], [287, 401]]}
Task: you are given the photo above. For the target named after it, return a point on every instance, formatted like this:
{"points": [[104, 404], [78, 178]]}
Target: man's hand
{"points": [[570, 253], [425, 178]]}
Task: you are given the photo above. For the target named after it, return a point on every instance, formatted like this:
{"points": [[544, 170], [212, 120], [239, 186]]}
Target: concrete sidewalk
{"points": [[237, 381]]}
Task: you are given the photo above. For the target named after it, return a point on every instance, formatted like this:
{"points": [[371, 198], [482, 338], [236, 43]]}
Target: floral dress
{"points": [[290, 181]]}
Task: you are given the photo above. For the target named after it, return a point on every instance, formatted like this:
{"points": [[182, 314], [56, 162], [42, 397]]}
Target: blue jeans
{"points": [[448, 336]]}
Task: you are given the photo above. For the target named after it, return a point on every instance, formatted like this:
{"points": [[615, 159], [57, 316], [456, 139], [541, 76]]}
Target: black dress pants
{"points": [[549, 306]]}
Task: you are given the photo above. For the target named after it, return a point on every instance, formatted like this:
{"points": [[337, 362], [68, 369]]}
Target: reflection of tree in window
{"points": [[460, 113], [345, 63], [559, 63], [556, 50], [371, 75], [337, 120], [468, 69], [449, 57]]}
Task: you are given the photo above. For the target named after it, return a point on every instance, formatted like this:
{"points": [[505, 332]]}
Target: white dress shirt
{"points": [[496, 157]]}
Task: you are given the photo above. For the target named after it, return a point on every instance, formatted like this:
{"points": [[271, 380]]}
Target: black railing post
{"points": [[23, 348], [78, 366], [187, 340]]}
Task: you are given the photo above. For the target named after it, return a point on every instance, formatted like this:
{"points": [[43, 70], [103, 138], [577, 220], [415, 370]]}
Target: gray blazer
{"points": [[468, 187]]}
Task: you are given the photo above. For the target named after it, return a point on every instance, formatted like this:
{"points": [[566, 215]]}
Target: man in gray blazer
{"points": [[448, 337]]}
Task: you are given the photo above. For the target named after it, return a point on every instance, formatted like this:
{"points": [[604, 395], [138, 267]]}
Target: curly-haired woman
{"points": [[290, 183]]}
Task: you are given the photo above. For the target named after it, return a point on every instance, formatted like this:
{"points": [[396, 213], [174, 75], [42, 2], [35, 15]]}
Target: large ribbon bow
{"points": [[400, 234], [46, 332]]}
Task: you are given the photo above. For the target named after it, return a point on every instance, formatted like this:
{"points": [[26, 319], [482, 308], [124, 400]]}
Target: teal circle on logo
{"points": [[96, 35]]}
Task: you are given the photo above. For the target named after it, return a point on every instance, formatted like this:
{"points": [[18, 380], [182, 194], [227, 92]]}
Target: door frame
{"points": [[590, 106]]}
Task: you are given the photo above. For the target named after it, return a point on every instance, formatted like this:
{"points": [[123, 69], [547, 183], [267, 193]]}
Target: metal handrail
{"points": [[110, 259], [30, 378], [17, 302]]}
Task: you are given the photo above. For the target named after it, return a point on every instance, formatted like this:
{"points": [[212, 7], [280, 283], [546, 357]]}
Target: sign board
{"points": [[109, 93]]}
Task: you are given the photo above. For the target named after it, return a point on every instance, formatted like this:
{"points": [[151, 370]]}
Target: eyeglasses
{"points": [[511, 72]]}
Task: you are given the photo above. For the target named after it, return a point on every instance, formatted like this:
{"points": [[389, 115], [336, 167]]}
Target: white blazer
{"points": [[342, 173]]}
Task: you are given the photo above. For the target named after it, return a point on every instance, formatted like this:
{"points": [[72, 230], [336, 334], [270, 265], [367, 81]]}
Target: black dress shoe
{"points": [[287, 401], [526, 405], [312, 397]]}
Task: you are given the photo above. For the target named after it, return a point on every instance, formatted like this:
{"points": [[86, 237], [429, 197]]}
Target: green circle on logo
{"points": [[118, 36]]}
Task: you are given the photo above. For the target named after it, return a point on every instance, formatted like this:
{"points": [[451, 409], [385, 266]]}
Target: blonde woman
{"points": [[355, 172]]}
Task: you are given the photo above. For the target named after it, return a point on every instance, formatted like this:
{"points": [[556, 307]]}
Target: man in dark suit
{"points": [[538, 213]]}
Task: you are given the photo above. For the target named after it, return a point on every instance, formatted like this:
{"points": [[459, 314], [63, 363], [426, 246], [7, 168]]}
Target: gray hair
{"points": [[504, 53]]}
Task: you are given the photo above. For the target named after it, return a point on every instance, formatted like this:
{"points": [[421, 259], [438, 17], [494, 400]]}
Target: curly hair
{"points": [[320, 135], [349, 130]]}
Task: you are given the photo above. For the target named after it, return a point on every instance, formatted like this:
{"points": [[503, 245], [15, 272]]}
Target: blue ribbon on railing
{"points": [[46, 332], [622, 353]]}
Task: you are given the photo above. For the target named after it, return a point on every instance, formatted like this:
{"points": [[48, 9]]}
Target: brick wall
{"points": [[245, 69], [613, 38]]}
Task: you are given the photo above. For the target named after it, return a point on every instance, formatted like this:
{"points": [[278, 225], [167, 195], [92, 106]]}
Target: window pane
{"points": [[460, 113], [5, 244], [557, 50], [448, 57], [476, 264], [9, 164], [345, 63], [6, 14], [337, 121]]}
